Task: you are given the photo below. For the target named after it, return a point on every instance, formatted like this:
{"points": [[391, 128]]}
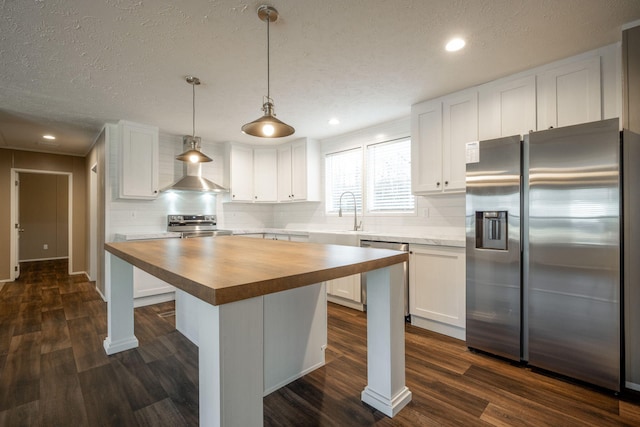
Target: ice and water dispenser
{"points": [[491, 230]]}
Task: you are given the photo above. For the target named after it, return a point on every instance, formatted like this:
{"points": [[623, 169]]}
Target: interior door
{"points": [[17, 228]]}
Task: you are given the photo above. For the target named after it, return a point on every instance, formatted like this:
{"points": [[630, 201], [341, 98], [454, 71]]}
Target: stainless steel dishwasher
{"points": [[396, 246]]}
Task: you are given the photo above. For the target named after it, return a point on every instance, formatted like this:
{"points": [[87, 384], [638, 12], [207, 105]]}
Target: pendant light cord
{"points": [[193, 128], [268, 58]]}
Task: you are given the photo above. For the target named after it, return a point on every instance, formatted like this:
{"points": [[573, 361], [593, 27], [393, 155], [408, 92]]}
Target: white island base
{"points": [[235, 346]]}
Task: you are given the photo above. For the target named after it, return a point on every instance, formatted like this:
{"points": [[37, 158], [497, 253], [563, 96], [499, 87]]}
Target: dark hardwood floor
{"points": [[54, 371]]}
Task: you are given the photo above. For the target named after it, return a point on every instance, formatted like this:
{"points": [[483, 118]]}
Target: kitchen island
{"points": [[230, 277]]}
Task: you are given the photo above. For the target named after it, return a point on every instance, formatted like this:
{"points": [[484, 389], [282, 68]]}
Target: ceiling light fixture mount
{"points": [[268, 126], [193, 155]]}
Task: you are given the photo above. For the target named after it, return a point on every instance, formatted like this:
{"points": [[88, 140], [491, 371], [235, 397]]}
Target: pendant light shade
{"points": [[268, 126], [193, 155]]}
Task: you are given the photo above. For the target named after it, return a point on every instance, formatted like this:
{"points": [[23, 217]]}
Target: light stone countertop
{"points": [[425, 239]]}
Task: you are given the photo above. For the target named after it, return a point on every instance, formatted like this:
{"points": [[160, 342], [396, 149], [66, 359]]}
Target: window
{"points": [[389, 177], [343, 172], [385, 173]]}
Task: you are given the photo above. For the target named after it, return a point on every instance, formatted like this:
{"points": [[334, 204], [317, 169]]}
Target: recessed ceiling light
{"points": [[455, 44], [334, 121], [51, 137]]}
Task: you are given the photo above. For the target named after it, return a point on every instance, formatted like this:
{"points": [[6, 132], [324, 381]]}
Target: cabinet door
{"points": [[426, 147], [459, 126], [570, 94], [345, 287], [507, 108], [265, 174], [138, 161], [437, 284], [299, 171], [284, 173], [241, 170]]}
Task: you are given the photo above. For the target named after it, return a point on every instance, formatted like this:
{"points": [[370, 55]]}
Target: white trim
{"points": [[629, 384], [44, 259], [630, 25], [14, 256], [441, 328]]}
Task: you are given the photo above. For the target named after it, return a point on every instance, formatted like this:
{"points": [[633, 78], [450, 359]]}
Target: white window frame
{"points": [[368, 178]]}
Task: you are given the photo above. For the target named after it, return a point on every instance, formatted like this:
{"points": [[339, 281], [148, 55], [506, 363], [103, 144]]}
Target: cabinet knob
{"points": [[255, 197], [234, 196], [437, 184], [446, 183]]}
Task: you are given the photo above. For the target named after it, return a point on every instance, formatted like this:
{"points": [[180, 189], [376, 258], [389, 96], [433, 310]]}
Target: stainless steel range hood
{"points": [[193, 181], [196, 183]]}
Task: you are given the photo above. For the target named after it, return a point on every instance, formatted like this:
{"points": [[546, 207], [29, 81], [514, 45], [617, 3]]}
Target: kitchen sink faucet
{"points": [[355, 210]]}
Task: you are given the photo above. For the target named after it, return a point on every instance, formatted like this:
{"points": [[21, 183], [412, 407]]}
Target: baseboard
{"points": [[101, 294], [153, 299], [347, 303], [75, 273], [441, 328], [632, 386]]}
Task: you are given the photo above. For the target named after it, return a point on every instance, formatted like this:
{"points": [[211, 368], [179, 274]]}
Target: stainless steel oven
{"points": [[195, 226]]}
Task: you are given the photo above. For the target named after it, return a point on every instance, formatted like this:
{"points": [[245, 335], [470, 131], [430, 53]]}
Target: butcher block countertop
{"points": [[232, 268]]}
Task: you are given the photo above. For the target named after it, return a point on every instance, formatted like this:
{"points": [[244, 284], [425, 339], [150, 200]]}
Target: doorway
{"points": [[41, 217]]}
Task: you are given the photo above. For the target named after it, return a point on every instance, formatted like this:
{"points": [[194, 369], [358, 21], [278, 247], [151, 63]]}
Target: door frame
{"points": [[14, 254]]}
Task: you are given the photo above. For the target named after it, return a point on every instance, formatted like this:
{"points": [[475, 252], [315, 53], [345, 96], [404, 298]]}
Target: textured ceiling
{"points": [[69, 66]]}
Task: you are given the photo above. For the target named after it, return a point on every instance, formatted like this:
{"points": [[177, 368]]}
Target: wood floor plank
{"points": [[21, 372], [25, 415], [61, 399], [142, 387], [161, 413], [103, 397], [183, 393], [74, 307], [87, 345], [51, 299], [55, 331]]}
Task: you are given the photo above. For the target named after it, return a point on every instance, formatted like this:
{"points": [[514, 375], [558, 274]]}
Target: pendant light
{"points": [[193, 155], [268, 126]]}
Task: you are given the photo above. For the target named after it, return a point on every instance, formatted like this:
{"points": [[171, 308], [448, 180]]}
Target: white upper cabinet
{"points": [[570, 94], [507, 107], [241, 173], [426, 147], [460, 125], [265, 174], [299, 171], [580, 89], [138, 155], [285, 173], [440, 130]]}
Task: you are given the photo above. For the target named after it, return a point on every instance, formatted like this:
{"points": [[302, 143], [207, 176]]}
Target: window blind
{"points": [[389, 177], [343, 172]]}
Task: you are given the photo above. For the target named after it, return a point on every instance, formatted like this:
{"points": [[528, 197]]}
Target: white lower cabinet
{"points": [[437, 289], [347, 288], [148, 289]]}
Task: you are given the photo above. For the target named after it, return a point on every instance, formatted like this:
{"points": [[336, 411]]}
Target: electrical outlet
{"points": [[45, 246]]}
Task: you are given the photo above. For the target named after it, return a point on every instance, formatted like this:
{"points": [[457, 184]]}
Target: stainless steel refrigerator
{"points": [[544, 250]]}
